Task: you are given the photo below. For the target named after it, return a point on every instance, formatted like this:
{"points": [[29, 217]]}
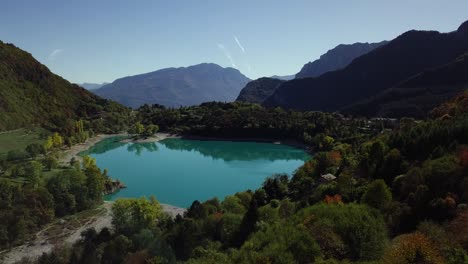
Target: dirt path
{"points": [[68, 231], [65, 230]]}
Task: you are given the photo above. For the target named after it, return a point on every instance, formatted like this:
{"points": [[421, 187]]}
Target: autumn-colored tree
{"points": [[412, 248], [458, 228], [463, 156], [334, 157], [333, 199]]}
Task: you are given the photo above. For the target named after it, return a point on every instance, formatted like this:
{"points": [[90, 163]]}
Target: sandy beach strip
{"points": [[68, 154]]}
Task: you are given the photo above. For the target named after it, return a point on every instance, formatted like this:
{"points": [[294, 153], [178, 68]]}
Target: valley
{"points": [[361, 157]]}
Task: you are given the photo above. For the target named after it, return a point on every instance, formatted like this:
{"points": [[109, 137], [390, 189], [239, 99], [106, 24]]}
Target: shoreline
{"points": [[73, 152], [155, 138], [289, 142], [162, 136]]}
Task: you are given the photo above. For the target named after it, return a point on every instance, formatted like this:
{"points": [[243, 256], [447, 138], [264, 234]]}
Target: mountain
{"points": [[416, 96], [31, 95], [174, 87], [258, 90], [336, 58], [402, 58], [92, 86], [283, 77]]}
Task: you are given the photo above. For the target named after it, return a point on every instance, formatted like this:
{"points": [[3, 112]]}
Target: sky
{"points": [[102, 40]]}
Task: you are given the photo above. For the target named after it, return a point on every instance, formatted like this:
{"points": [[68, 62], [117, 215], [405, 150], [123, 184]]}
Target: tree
{"points": [[57, 140], [50, 162], [33, 172], [413, 248], [151, 130], [132, 215], [360, 227], [279, 243], [35, 149], [378, 195], [276, 186], [49, 144], [139, 128], [89, 162]]}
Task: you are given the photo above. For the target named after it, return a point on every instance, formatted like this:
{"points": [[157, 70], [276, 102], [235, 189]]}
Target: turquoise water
{"points": [[179, 171]]}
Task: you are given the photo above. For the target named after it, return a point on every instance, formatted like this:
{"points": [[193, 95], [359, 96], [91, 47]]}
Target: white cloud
{"points": [[227, 54], [55, 53], [239, 44]]}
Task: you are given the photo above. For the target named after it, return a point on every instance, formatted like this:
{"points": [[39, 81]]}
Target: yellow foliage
{"points": [[412, 248]]}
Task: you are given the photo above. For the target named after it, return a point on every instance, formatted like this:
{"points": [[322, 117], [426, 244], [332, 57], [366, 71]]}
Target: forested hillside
{"points": [[416, 96], [31, 95]]}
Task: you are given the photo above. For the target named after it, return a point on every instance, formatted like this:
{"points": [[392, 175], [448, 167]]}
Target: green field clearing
{"points": [[19, 139]]}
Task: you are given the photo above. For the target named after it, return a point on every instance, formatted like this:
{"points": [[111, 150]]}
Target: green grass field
{"points": [[19, 139]]}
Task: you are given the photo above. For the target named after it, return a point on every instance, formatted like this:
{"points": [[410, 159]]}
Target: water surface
{"points": [[179, 171]]}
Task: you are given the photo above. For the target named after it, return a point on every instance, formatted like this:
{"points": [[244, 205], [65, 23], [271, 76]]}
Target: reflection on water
{"points": [[179, 171], [105, 145], [139, 147], [231, 151]]}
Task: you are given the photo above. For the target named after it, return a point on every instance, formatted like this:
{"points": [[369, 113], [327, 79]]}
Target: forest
{"points": [[399, 194]]}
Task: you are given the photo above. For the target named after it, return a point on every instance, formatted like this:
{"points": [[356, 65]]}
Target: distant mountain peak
{"points": [[174, 87], [336, 58]]}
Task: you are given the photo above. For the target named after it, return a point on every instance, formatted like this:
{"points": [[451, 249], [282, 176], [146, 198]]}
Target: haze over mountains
{"points": [[175, 87], [402, 58], [92, 86]]}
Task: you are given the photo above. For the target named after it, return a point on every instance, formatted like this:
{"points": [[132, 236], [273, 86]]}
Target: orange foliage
{"points": [[463, 156], [334, 157], [413, 248], [139, 257], [458, 228], [335, 199], [218, 215], [450, 201]]}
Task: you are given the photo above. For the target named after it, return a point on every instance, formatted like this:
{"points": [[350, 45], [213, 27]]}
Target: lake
{"points": [[179, 171]]}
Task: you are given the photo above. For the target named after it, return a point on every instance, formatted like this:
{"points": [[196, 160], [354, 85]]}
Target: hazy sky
{"points": [[101, 40]]}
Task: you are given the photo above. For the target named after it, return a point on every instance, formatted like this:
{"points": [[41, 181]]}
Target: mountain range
{"points": [[388, 66], [339, 57], [174, 87]]}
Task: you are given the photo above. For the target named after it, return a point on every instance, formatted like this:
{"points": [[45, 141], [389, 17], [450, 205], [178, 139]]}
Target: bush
{"points": [[279, 243], [412, 248], [360, 227]]}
